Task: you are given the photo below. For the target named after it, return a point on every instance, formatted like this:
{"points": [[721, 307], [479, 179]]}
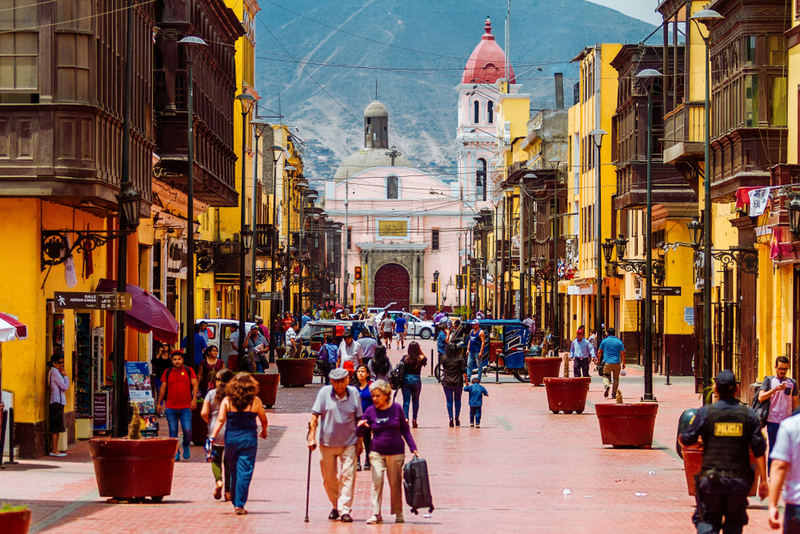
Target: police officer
{"points": [[728, 430]]}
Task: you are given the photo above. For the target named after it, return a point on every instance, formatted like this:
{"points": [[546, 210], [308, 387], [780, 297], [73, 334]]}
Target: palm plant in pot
{"points": [[296, 370], [567, 394], [14, 519], [627, 424], [540, 367], [132, 468]]}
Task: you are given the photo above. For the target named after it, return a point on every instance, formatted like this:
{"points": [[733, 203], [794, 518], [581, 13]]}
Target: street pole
{"points": [[120, 421], [273, 246], [555, 314], [597, 136], [346, 236], [247, 101], [258, 125]]}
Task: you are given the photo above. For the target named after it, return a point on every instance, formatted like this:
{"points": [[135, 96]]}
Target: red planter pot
{"points": [[540, 368], [267, 388], [296, 372], [199, 426], [693, 463], [127, 468], [567, 394], [15, 522], [627, 425]]}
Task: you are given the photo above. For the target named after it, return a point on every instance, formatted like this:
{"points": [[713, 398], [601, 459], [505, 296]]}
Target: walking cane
{"points": [[308, 480]]}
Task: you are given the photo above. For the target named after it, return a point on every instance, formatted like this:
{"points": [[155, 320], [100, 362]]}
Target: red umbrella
{"points": [[148, 313]]}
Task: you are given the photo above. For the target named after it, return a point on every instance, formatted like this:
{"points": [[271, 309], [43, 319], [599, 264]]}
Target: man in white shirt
{"points": [[783, 399], [368, 345], [785, 474], [581, 353], [291, 340], [387, 329], [350, 351]]}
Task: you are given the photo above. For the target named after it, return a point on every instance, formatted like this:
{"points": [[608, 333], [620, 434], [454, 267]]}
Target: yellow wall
{"points": [[678, 264]]}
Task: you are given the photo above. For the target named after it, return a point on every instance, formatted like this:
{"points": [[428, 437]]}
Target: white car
{"points": [[219, 333], [416, 326]]}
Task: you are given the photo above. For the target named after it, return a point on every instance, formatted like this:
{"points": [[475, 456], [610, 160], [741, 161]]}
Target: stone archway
{"points": [[392, 284]]}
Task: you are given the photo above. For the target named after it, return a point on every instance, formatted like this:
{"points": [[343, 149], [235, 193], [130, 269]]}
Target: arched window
{"points": [[477, 114], [391, 187], [490, 112], [480, 180]]}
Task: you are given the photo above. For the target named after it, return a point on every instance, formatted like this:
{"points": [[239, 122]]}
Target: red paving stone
{"points": [[508, 475]]}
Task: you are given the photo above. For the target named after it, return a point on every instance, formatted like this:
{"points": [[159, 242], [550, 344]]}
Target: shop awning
{"points": [[11, 328], [148, 314]]}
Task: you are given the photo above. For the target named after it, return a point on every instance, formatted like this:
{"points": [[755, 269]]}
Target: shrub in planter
{"points": [[133, 468], [14, 519]]}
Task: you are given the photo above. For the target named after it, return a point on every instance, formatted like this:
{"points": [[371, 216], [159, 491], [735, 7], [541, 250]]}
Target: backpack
{"points": [[397, 375], [762, 407]]}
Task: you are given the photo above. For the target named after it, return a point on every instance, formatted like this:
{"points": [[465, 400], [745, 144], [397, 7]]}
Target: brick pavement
{"points": [[509, 474]]}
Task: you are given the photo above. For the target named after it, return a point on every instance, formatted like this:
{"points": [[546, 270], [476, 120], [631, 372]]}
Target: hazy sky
{"points": [[640, 9]]}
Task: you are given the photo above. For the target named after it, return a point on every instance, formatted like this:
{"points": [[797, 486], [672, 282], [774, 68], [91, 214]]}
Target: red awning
{"points": [[11, 328]]}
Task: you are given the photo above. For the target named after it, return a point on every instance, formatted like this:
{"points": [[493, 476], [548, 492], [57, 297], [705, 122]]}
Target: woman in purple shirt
{"points": [[58, 382], [389, 429]]}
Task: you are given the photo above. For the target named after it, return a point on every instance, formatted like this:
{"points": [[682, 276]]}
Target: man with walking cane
{"points": [[336, 412]]}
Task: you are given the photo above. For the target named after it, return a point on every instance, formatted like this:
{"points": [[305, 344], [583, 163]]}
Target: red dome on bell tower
{"points": [[487, 63]]}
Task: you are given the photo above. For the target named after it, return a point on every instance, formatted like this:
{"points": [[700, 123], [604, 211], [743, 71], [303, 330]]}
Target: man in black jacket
{"points": [[729, 431]]}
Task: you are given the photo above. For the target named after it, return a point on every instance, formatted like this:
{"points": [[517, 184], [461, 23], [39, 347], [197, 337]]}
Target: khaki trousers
{"points": [[611, 377], [339, 483], [393, 467]]}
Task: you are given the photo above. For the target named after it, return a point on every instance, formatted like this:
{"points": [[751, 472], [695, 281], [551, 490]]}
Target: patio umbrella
{"points": [[148, 314], [11, 328]]}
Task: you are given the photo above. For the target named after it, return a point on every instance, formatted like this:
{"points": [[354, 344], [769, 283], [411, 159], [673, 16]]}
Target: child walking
{"points": [[476, 393]]}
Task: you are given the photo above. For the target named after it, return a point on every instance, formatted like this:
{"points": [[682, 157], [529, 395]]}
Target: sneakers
{"points": [[375, 519], [58, 454], [186, 452], [472, 425], [608, 388], [177, 457], [398, 518], [477, 426], [358, 468], [346, 518]]}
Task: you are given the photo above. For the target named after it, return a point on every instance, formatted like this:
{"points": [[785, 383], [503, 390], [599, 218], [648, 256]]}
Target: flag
{"points": [[69, 267], [758, 201]]}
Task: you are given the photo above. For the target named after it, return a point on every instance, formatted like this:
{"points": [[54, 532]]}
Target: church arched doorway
{"points": [[392, 284]]}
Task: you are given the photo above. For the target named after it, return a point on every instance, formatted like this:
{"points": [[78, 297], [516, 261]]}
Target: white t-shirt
{"points": [[780, 404], [291, 335], [353, 353], [787, 449], [368, 345]]}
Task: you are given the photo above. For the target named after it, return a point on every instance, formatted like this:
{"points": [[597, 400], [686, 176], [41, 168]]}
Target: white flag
{"points": [[69, 267], [758, 201]]}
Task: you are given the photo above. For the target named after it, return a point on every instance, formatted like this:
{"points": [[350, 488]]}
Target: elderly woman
{"points": [[389, 429]]}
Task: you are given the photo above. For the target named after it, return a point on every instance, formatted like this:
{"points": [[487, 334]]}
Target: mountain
{"points": [[343, 46]]}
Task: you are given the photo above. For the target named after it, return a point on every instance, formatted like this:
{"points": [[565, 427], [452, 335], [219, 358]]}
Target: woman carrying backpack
{"points": [[413, 363]]}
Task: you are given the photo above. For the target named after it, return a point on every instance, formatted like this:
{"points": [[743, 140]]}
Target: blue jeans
{"points": [[412, 387], [474, 361], [791, 519], [475, 414], [183, 415], [772, 434], [241, 446], [453, 396]]}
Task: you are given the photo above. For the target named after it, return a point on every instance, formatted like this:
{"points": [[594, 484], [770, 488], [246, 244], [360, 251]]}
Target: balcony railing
{"points": [[684, 131], [266, 236]]}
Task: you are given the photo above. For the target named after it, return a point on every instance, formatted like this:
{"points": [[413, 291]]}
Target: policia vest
{"points": [[727, 441]]}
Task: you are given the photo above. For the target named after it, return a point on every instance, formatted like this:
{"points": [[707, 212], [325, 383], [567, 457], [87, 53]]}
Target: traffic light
{"points": [[460, 281], [433, 287], [358, 272]]}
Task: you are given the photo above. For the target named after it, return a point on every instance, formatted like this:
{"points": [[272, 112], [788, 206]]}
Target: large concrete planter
{"points": [[627, 425], [540, 368], [199, 426], [131, 468], [693, 463], [18, 522], [567, 394], [267, 388], [296, 372]]}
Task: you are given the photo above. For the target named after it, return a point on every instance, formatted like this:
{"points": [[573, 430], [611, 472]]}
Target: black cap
{"points": [[726, 379]]}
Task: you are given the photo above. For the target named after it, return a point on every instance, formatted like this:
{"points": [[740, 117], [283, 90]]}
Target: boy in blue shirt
{"points": [[476, 393]]}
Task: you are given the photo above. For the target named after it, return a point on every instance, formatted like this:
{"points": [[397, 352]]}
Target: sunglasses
{"points": [[61, 362]]}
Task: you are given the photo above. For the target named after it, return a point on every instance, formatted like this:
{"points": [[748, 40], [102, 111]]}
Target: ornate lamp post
{"points": [[707, 17], [597, 138], [259, 126], [277, 152], [247, 101]]}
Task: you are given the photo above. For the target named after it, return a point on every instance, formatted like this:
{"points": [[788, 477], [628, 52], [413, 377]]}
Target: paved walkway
{"points": [[510, 475]]}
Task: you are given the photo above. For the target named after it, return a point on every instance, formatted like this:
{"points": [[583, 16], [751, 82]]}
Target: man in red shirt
{"points": [[179, 388]]}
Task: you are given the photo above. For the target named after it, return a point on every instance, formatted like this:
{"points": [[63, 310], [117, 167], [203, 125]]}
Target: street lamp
{"points": [[277, 152], [436, 281], [707, 17], [648, 78], [193, 45], [247, 101], [597, 138], [793, 208], [259, 126]]}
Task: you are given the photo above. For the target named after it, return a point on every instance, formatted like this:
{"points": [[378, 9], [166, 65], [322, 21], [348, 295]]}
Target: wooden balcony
{"points": [[743, 159], [266, 236], [68, 153], [684, 131]]}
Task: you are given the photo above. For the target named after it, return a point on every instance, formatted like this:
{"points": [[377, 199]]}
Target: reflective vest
{"points": [[727, 440]]}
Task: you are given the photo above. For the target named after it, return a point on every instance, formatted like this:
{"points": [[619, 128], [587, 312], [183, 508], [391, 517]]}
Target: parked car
{"points": [[416, 326], [219, 334]]}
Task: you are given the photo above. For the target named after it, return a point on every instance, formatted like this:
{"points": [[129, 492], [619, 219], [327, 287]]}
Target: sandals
{"points": [[218, 492], [240, 511]]}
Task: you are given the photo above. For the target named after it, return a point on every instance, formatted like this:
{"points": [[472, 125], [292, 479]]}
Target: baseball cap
{"points": [[725, 379], [348, 366]]}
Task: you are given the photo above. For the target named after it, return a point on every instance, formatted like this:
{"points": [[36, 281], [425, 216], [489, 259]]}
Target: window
{"points": [[477, 112], [391, 188], [778, 100], [750, 50], [18, 49], [777, 50], [480, 180], [349, 237], [435, 239], [751, 101], [490, 112]]}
